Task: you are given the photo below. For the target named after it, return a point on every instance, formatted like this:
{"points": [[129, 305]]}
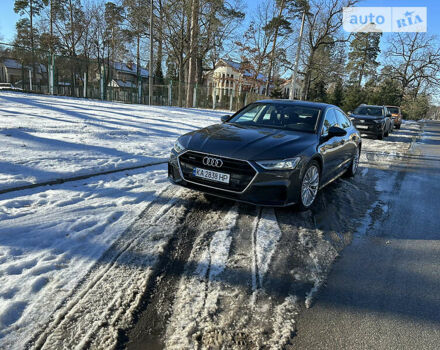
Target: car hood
{"points": [[365, 117], [247, 142]]}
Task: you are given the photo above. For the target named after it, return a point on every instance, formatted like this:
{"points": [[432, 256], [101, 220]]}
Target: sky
{"points": [[8, 17]]}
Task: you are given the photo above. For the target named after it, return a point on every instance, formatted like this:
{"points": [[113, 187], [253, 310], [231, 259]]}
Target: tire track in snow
{"points": [[152, 317], [197, 293], [104, 302], [76, 178], [235, 312]]}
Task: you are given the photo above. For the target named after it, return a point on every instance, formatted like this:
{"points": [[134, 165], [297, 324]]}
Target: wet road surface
{"points": [[384, 291]]}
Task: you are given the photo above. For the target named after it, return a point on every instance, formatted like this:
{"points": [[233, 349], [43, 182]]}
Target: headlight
{"points": [[178, 147], [285, 164], [378, 121]]}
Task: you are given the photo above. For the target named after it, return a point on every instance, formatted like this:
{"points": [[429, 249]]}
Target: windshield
{"points": [[280, 116], [373, 111], [393, 110]]}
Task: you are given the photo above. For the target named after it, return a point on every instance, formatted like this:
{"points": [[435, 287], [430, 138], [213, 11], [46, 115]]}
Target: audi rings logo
{"points": [[215, 162]]}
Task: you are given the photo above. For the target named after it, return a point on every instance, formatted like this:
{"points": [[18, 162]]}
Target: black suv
{"points": [[372, 120]]}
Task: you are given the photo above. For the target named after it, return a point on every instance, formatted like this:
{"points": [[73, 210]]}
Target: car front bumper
{"points": [[266, 188], [374, 129]]}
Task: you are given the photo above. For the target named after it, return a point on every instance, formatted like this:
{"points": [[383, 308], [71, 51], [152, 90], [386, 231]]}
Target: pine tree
{"points": [[31, 8], [364, 49]]}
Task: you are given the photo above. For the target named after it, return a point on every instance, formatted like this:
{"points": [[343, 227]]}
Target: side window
{"points": [[342, 119], [251, 113], [329, 121], [268, 113]]}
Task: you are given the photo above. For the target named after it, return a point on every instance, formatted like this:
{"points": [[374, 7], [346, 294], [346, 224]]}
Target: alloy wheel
{"points": [[310, 184]]}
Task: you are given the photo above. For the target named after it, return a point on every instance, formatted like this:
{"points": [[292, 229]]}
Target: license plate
{"points": [[362, 127], [211, 175]]}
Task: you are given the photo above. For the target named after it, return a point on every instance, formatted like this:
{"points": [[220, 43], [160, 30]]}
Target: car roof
{"points": [[298, 103], [371, 106]]}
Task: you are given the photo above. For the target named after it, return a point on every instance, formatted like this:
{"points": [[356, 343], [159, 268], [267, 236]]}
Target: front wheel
{"points": [[309, 186]]}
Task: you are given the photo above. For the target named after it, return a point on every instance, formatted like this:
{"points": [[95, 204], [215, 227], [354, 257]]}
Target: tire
{"points": [[309, 186], [354, 165], [380, 136]]}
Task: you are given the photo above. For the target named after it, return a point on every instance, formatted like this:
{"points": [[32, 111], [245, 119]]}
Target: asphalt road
{"points": [[384, 292]]}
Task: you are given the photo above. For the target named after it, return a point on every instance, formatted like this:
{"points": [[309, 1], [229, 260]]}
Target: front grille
{"points": [[241, 172], [367, 122]]}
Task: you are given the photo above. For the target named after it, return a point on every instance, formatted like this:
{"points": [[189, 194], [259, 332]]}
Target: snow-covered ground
{"points": [[45, 138], [52, 238]]}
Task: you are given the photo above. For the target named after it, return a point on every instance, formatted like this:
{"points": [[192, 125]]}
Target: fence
{"points": [[107, 80]]}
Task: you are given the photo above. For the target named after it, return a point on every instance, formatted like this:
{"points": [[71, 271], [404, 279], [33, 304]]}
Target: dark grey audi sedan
{"points": [[271, 152]]}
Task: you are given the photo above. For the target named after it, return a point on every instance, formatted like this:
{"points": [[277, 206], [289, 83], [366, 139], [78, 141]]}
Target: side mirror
{"points": [[336, 131], [225, 118]]}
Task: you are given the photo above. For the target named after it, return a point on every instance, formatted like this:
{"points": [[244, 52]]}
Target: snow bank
{"points": [[45, 138], [50, 238]]}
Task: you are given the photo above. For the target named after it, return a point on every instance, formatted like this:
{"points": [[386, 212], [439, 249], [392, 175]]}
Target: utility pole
{"points": [[150, 65], [52, 59], [298, 52]]}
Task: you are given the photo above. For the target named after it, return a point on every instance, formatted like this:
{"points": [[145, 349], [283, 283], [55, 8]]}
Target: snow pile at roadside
{"points": [[105, 303], [46, 138], [50, 237], [394, 146]]}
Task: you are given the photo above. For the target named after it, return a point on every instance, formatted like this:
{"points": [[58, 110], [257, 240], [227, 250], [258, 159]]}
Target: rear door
{"points": [[330, 148], [348, 145]]}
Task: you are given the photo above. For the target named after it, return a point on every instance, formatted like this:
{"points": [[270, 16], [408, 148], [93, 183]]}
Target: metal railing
{"points": [[98, 79]]}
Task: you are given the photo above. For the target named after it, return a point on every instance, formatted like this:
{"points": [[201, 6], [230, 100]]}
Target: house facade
{"points": [[124, 75], [12, 71], [230, 77], [287, 85]]}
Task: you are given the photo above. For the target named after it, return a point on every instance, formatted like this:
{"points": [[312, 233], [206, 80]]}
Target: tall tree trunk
{"points": [[308, 75], [272, 56], [73, 49], [199, 69], [31, 18], [181, 81], [194, 36], [138, 65], [159, 73], [51, 26]]}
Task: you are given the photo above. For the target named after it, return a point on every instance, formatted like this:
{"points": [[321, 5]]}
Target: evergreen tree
{"points": [[31, 8], [277, 91], [354, 96], [337, 95], [364, 49]]}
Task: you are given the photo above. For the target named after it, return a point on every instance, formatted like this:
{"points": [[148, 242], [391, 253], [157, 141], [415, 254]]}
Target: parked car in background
{"points": [[396, 115], [272, 152], [372, 120]]}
